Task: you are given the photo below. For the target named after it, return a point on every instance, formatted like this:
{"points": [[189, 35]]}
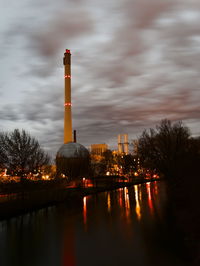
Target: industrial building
{"points": [[97, 151]]}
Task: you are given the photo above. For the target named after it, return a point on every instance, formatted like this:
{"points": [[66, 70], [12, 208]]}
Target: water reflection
{"points": [[85, 210], [137, 206], [120, 230], [109, 202], [127, 204], [155, 188], [68, 253], [150, 202], [121, 197]]}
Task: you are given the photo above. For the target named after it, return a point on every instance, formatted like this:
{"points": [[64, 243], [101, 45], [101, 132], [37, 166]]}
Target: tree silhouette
{"points": [[107, 160], [20, 153], [165, 148]]}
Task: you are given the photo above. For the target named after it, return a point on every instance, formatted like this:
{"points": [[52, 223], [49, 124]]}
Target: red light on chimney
{"points": [[67, 104], [67, 51], [67, 76]]}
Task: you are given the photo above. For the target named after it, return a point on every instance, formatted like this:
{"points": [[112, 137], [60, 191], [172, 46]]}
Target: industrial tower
{"points": [[67, 103], [72, 159], [123, 143]]}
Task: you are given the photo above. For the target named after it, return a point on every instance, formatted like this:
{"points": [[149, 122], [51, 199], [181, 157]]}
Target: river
{"points": [[121, 227]]}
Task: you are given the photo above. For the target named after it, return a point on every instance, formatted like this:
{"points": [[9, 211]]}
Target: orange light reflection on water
{"points": [[150, 203], [155, 187], [121, 197], [137, 207], [109, 202], [85, 211], [127, 203]]}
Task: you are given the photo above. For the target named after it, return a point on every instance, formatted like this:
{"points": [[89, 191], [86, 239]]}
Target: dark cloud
{"points": [[142, 13], [130, 68], [10, 113], [66, 25], [44, 37]]}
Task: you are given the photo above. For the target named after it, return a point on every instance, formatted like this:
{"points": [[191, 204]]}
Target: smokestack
{"points": [[119, 144], [75, 136], [126, 143], [67, 103]]}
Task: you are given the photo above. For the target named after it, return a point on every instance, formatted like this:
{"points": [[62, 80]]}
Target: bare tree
{"points": [[164, 148], [3, 154], [21, 153]]}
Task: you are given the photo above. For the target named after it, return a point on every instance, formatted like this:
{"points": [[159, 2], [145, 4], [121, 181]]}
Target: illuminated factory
{"points": [[72, 158], [97, 151]]}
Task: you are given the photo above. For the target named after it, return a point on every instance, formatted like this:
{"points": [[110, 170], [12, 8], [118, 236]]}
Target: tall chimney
{"points": [[119, 144], [126, 143], [67, 103]]}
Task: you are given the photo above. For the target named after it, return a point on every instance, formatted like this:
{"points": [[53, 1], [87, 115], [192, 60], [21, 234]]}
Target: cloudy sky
{"points": [[134, 62]]}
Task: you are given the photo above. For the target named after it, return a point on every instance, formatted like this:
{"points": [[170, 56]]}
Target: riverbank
{"points": [[26, 199]]}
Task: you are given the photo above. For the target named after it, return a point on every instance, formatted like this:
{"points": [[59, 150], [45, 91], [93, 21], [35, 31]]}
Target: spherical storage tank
{"points": [[72, 160]]}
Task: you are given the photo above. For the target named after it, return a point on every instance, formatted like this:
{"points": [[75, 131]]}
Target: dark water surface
{"points": [[121, 227]]}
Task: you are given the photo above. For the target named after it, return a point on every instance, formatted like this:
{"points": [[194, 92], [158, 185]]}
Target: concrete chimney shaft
{"points": [[123, 143], [120, 147], [126, 143], [67, 104]]}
